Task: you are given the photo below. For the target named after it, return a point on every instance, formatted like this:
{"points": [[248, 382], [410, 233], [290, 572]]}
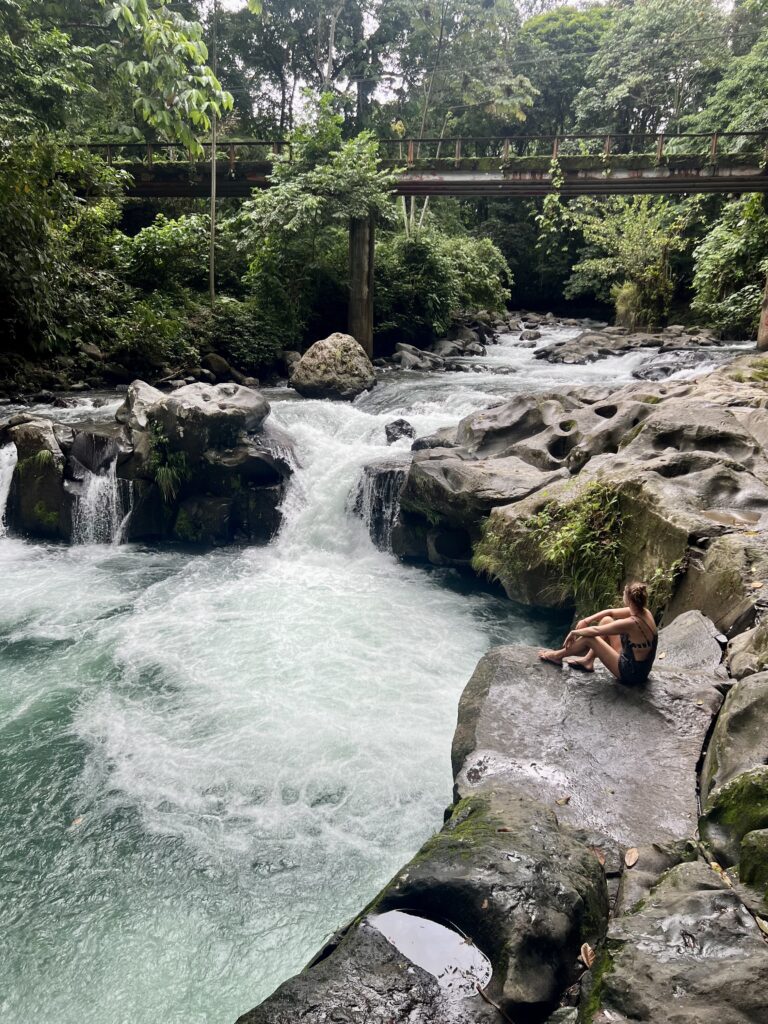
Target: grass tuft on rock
{"points": [[579, 541]]}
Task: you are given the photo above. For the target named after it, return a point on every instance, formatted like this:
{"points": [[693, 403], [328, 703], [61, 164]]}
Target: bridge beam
{"points": [[361, 248]]}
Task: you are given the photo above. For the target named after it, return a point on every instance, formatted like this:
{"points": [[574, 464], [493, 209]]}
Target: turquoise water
{"points": [[210, 762]]}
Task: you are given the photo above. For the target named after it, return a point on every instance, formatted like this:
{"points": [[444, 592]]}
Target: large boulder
{"points": [[521, 888], [689, 954], [734, 780], [195, 417], [692, 642], [336, 367], [616, 760], [38, 505]]}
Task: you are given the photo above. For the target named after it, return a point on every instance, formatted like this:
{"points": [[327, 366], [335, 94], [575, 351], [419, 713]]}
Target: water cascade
{"points": [[377, 499], [99, 514], [8, 459]]}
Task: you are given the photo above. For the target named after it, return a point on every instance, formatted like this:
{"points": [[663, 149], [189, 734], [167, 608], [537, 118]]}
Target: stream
{"points": [[212, 761]]}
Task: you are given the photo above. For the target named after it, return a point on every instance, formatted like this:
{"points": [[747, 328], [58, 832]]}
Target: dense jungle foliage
{"points": [[85, 270]]}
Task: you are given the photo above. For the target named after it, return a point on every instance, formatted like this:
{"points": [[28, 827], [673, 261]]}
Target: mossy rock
{"points": [[753, 862], [734, 810]]}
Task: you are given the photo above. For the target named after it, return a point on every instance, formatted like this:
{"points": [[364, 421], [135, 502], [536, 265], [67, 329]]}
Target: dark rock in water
{"points": [[397, 429], [519, 886], [197, 465], [691, 954], [377, 500], [366, 979], [37, 503], [575, 741], [222, 372]]}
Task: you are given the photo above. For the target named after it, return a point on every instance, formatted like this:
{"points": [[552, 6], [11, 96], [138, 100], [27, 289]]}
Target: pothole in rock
{"points": [[736, 517], [458, 965]]}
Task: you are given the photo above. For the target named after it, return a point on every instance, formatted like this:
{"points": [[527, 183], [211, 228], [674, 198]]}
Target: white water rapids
{"points": [[210, 762]]}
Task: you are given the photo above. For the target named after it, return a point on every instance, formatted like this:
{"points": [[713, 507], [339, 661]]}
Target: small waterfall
{"points": [[378, 499], [8, 460], [99, 515]]}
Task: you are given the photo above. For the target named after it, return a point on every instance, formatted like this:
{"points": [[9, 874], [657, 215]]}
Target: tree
{"points": [[627, 255], [739, 101], [554, 51], [657, 64]]}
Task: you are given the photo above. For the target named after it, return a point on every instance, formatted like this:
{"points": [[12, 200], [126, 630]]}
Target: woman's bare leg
{"points": [[556, 656], [606, 652], [587, 661]]}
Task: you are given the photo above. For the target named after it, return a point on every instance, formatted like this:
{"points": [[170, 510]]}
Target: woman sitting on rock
{"points": [[624, 639]]}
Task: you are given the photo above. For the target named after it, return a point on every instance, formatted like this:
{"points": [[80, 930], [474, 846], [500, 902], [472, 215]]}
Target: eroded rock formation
{"points": [[199, 465]]}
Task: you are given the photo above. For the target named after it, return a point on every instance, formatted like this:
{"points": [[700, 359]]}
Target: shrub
{"points": [[169, 253], [422, 281], [730, 268], [246, 335]]}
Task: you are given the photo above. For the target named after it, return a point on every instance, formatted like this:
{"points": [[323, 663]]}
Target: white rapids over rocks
{"points": [[212, 761]]}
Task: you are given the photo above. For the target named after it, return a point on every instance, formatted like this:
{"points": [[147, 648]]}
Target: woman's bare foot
{"points": [[553, 657], [585, 664]]}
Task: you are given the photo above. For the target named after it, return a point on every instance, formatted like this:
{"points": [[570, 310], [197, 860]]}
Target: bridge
{"points": [[510, 167], [513, 167]]}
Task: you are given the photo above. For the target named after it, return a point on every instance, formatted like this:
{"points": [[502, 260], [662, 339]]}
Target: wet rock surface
{"points": [[502, 871], [691, 954], [619, 761], [685, 458]]}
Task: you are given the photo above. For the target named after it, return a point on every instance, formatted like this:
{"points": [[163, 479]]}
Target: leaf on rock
{"points": [[600, 854], [631, 856], [587, 955], [762, 924], [563, 801], [757, 585]]}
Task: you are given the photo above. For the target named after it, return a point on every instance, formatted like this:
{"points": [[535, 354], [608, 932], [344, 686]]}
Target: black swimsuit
{"points": [[631, 671]]}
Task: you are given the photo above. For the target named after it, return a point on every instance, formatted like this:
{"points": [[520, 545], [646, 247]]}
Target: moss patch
{"points": [[46, 516], [753, 862], [579, 541], [740, 806]]}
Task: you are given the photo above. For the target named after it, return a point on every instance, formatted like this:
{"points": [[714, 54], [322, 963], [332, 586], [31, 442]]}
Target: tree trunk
{"points": [[762, 330], [361, 247]]}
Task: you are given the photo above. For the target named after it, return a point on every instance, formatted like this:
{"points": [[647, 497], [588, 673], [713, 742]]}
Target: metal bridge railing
{"points": [[409, 151]]}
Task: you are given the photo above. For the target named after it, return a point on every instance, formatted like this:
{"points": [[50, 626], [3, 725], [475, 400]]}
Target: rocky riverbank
{"points": [[571, 856]]}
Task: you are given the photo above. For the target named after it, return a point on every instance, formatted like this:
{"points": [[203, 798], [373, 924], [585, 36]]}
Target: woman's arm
{"points": [[612, 628], [611, 613]]}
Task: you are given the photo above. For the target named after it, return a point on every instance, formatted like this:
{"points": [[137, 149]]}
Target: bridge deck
{"points": [[607, 165]]}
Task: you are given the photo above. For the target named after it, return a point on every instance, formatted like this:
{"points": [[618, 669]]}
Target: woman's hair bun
{"points": [[638, 593]]}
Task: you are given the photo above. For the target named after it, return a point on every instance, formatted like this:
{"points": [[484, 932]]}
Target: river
{"points": [[211, 761]]}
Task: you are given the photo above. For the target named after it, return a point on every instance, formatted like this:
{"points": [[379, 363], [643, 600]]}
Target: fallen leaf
{"points": [[484, 905], [662, 656], [757, 585], [631, 857], [76, 822], [563, 801], [762, 925], [598, 853], [587, 955]]}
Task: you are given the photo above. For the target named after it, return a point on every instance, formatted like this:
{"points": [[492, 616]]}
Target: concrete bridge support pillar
{"points": [[361, 247], [762, 330]]}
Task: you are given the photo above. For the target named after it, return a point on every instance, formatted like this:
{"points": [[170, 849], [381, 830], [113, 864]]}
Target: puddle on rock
{"points": [[458, 965], [731, 517]]}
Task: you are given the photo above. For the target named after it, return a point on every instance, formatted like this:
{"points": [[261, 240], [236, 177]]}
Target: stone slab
{"points": [[619, 761]]}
